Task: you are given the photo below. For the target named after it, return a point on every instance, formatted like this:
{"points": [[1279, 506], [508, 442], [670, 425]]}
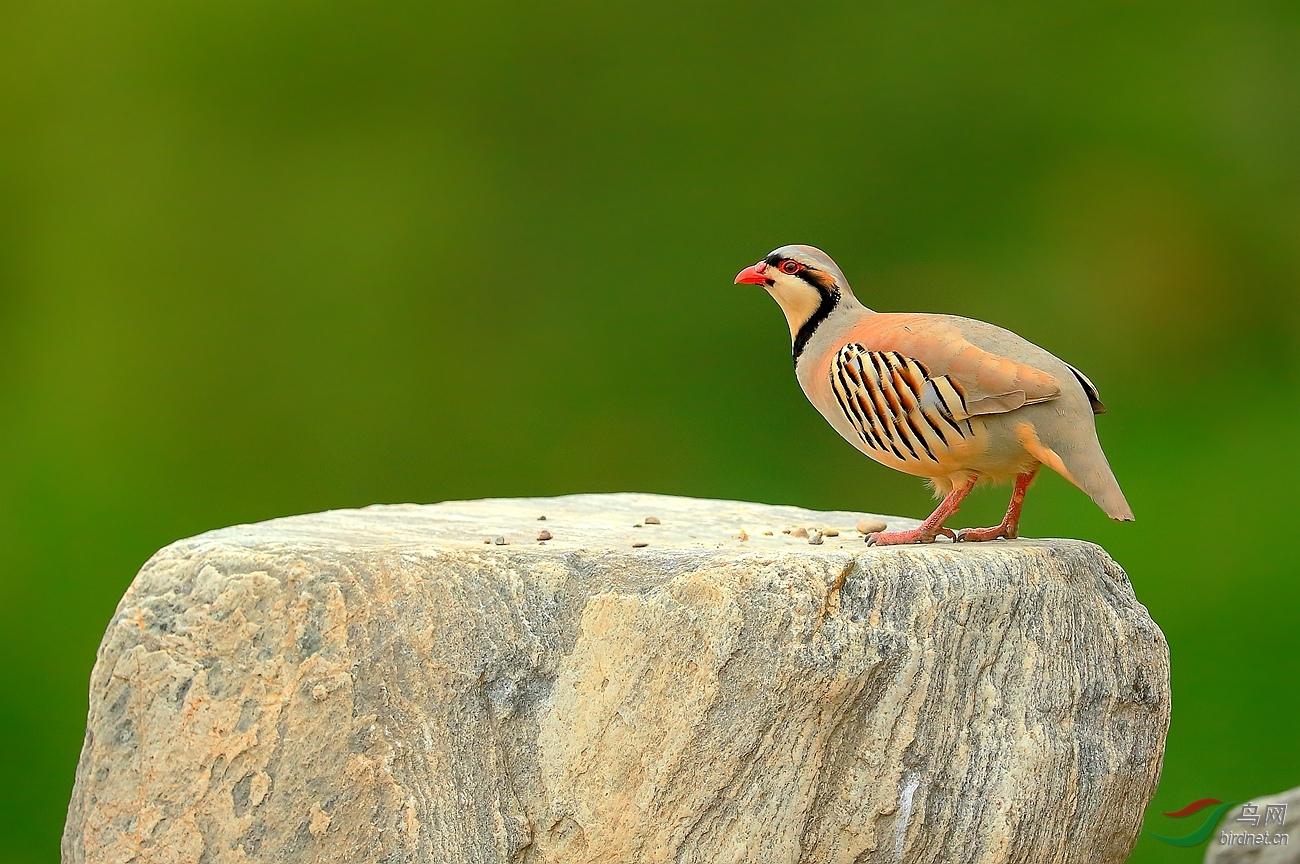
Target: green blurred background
{"points": [[269, 258]]}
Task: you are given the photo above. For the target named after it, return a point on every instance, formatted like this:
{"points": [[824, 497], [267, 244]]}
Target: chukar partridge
{"points": [[950, 399]]}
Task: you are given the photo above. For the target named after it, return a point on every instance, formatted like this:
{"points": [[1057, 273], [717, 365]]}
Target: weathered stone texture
{"points": [[382, 685]]}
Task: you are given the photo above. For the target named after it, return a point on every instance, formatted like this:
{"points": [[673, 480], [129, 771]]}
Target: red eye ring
{"points": [[790, 268]]}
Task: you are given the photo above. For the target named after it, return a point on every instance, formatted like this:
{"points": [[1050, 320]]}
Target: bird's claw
{"points": [[980, 535], [901, 538]]}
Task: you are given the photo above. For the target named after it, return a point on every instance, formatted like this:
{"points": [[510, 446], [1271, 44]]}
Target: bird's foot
{"points": [[979, 535], [903, 538]]}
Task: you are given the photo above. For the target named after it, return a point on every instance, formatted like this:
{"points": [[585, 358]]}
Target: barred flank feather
{"points": [[895, 406]]}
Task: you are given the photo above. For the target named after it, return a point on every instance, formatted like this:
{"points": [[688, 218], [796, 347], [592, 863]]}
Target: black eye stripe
{"points": [[817, 279], [777, 262]]}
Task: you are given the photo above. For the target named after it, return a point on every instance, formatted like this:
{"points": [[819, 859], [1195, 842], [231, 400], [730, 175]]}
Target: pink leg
{"points": [[1010, 527], [930, 528]]}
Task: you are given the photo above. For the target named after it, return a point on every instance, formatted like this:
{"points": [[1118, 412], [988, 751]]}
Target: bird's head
{"points": [[806, 284]]}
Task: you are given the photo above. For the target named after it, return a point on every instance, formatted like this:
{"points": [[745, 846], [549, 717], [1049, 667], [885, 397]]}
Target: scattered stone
{"points": [[767, 534], [320, 693], [742, 536], [815, 538], [500, 541], [870, 525], [544, 535], [785, 530], [652, 520], [832, 532], [640, 544], [541, 518], [799, 532]]}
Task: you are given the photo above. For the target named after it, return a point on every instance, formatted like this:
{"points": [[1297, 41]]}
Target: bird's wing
{"points": [[984, 382], [1090, 390], [909, 385]]}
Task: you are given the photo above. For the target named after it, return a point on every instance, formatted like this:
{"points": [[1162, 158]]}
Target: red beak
{"points": [[752, 275]]}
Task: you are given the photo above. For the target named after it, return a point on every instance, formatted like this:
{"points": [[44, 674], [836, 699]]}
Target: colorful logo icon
{"points": [[1200, 835]]}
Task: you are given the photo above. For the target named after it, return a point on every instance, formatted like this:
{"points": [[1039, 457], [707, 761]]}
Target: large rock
{"points": [[383, 685]]}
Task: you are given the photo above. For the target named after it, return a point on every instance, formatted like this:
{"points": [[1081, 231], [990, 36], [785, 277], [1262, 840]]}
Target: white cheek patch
{"points": [[797, 299]]}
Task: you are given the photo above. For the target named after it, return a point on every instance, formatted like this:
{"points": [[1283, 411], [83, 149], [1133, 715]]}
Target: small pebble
{"points": [[652, 520], [799, 532], [488, 541], [767, 533], [742, 536], [868, 525], [541, 518], [639, 545], [831, 532], [637, 525], [544, 535], [500, 541], [815, 538], [320, 693]]}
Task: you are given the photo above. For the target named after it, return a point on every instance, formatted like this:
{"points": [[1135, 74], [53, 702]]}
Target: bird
{"points": [[954, 400]]}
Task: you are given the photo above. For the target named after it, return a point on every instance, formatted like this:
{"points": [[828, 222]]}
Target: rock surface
{"points": [[1264, 846], [393, 684]]}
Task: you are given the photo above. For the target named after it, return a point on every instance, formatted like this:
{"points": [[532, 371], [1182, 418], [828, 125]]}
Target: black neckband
{"points": [[830, 296]]}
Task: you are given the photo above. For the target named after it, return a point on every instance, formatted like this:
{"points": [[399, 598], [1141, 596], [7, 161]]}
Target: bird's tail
{"points": [[1085, 467], [1102, 487]]}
